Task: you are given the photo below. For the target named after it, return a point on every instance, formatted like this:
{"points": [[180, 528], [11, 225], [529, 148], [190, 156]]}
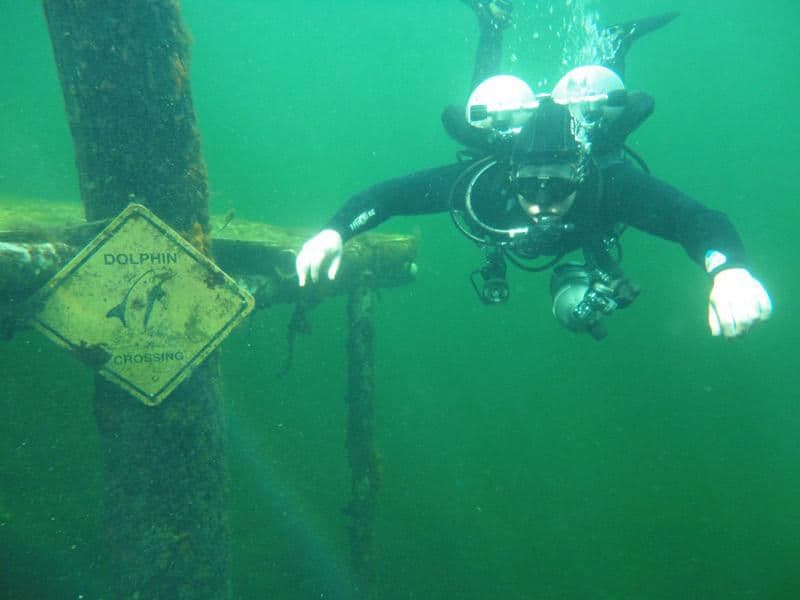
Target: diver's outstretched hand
{"points": [[325, 248], [737, 302]]}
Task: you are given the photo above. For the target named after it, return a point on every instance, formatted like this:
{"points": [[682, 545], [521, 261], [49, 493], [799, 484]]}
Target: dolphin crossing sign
{"points": [[141, 305]]}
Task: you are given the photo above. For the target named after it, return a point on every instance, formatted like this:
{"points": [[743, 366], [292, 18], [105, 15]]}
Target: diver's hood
{"points": [[547, 138]]}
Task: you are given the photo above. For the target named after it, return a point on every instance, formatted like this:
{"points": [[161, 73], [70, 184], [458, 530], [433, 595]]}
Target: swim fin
{"points": [[624, 34], [496, 14]]}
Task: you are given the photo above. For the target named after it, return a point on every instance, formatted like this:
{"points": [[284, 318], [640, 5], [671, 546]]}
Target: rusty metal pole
{"points": [[362, 453], [123, 67]]}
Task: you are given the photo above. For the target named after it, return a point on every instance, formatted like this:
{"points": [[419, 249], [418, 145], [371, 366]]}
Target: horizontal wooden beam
{"points": [[38, 237]]}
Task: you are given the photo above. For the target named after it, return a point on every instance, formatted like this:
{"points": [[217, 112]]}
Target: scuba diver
{"points": [[545, 175]]}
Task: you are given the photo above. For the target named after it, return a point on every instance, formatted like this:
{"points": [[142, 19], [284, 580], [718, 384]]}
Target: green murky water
{"points": [[519, 461]]}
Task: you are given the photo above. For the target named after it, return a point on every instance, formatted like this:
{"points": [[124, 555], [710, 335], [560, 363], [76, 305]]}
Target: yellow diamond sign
{"points": [[142, 305]]}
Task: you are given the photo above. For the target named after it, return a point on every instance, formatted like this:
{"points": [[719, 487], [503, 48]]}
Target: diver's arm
{"points": [[423, 192], [737, 300], [651, 205]]}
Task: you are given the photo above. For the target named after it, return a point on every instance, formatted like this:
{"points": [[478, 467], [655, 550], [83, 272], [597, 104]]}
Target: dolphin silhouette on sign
{"points": [[141, 296]]}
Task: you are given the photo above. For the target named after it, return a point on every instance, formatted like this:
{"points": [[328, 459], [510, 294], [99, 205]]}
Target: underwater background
{"points": [[519, 460]]}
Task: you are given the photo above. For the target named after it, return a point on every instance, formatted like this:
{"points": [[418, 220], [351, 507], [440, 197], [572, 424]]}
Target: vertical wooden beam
{"points": [[124, 71], [123, 67], [361, 450]]}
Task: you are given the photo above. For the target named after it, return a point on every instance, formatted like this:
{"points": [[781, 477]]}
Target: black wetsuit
{"points": [[626, 195]]}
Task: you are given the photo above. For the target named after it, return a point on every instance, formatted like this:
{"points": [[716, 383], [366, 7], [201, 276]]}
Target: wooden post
{"points": [[123, 67], [361, 451]]}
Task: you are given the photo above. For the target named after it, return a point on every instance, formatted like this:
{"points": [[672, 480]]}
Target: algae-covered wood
{"points": [[259, 255]]}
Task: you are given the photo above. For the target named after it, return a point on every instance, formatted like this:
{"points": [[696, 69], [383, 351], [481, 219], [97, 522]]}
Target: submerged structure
{"points": [[124, 72]]}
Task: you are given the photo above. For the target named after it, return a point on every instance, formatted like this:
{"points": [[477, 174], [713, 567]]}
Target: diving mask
{"points": [[545, 189]]}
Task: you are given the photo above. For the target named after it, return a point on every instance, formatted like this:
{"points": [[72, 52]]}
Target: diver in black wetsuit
{"points": [[550, 174]]}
